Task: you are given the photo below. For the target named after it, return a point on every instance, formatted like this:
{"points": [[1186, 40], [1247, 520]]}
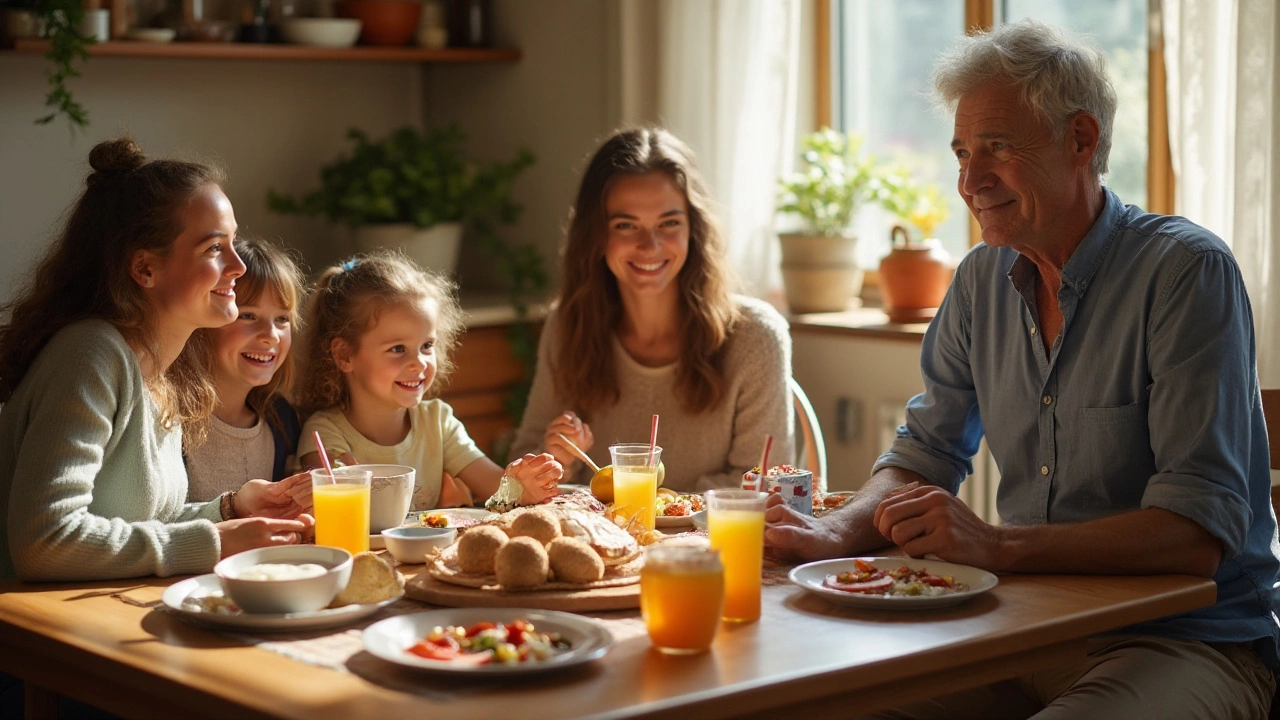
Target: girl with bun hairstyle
{"points": [[97, 378], [646, 322]]}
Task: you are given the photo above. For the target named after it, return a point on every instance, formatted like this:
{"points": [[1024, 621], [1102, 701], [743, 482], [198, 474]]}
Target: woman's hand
{"points": [[236, 536], [539, 475], [571, 426], [286, 499]]}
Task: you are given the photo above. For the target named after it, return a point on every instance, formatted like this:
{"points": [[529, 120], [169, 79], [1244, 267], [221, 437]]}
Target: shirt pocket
{"points": [[1111, 460]]}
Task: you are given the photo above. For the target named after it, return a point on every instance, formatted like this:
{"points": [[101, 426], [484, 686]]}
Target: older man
{"points": [[1108, 356]]}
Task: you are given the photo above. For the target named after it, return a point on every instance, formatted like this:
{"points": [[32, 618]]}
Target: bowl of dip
{"points": [[284, 579], [410, 545]]}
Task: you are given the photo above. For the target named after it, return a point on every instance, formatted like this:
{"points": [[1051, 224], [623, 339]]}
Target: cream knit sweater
{"points": [[702, 451], [92, 487]]}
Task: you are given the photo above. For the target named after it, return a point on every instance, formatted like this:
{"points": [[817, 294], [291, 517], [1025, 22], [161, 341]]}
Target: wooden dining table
{"points": [[112, 645]]}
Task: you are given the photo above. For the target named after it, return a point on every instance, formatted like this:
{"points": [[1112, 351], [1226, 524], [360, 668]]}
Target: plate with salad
{"points": [[892, 583], [676, 510], [488, 641]]}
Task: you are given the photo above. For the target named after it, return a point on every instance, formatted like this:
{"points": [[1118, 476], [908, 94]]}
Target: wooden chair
{"points": [[1271, 410], [810, 446]]}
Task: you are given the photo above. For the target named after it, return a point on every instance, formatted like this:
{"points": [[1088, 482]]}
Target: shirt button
{"points": [[1033, 329], [1044, 469], [1047, 400]]}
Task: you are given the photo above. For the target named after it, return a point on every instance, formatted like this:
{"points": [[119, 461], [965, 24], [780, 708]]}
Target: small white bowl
{"points": [[410, 545], [155, 35], [321, 32], [285, 596]]}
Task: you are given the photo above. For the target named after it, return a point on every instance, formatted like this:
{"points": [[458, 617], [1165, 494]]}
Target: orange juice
{"points": [[681, 598], [635, 492], [739, 536], [342, 516]]}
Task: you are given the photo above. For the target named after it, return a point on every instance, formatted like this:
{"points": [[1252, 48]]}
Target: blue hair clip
{"points": [[349, 265]]}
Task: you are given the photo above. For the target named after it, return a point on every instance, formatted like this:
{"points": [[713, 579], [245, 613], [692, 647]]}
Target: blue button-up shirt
{"points": [[1147, 399]]}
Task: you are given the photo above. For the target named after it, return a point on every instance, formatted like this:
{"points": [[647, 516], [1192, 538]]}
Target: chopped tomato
{"points": [[445, 648], [479, 627], [864, 566], [874, 586]]}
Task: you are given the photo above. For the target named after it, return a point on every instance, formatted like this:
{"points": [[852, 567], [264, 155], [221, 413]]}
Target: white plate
{"points": [[673, 521], [810, 578], [391, 639], [205, 585]]}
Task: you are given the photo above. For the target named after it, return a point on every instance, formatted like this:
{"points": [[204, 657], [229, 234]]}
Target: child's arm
{"points": [[311, 461], [539, 475]]}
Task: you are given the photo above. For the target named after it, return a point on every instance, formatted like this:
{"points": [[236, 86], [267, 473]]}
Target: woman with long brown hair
{"points": [[97, 378], [646, 322]]}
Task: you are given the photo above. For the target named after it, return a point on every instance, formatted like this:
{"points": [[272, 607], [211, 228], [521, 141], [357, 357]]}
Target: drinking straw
{"points": [[764, 456], [653, 440], [581, 455], [324, 458]]}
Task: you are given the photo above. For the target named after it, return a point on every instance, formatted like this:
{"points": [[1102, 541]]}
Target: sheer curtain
{"points": [[1224, 129], [723, 76]]}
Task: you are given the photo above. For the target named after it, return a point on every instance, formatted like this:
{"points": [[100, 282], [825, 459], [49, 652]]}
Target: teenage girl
{"points": [[253, 432], [381, 335]]}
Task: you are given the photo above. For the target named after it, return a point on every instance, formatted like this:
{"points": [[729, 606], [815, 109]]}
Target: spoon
{"points": [[578, 451]]}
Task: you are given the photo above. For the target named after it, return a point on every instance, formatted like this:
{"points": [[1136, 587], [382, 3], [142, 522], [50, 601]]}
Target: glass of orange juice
{"points": [[635, 481], [681, 597], [342, 507], [735, 522]]}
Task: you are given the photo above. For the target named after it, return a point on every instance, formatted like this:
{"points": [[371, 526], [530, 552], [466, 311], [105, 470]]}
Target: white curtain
{"points": [[722, 75], [1224, 129]]}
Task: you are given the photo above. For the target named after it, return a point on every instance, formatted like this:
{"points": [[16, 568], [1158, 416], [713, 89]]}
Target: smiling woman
{"points": [[647, 323], [97, 375]]}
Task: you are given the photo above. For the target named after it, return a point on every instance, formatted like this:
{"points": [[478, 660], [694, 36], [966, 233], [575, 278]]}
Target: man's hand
{"points": [[926, 520], [790, 535]]}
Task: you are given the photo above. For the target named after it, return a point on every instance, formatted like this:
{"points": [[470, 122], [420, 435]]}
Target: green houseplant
{"points": [[59, 22], [834, 180], [415, 189]]}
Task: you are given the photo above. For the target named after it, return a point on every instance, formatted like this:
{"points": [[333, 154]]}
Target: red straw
{"points": [[764, 456], [653, 439], [324, 458]]}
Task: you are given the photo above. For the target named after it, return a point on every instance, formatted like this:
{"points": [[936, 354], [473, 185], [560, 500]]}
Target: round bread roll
{"points": [[522, 563], [373, 579], [478, 547], [537, 523], [574, 561]]}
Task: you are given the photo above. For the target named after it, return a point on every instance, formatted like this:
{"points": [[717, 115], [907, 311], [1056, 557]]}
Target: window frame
{"points": [[980, 15]]}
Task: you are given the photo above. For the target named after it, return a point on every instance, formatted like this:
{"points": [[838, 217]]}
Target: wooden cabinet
{"points": [[484, 377]]}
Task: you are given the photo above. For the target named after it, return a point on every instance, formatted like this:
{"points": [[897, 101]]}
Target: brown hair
{"points": [[590, 306], [129, 204], [345, 304], [268, 268]]}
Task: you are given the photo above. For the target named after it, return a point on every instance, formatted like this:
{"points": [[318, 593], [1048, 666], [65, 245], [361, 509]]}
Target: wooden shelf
{"points": [[252, 51]]}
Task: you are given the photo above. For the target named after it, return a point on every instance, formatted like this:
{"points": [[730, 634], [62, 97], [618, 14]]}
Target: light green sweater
{"points": [[92, 487]]}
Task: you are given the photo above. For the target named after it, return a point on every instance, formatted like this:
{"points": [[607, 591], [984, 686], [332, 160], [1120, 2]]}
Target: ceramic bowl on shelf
{"points": [[153, 35], [383, 22], [321, 32]]}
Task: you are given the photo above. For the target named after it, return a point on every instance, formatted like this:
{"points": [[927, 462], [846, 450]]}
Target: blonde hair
{"points": [[129, 204], [268, 268], [345, 304], [590, 306]]}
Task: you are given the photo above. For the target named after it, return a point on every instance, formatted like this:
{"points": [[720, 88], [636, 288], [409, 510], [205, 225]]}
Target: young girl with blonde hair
{"points": [[253, 431], [380, 336]]}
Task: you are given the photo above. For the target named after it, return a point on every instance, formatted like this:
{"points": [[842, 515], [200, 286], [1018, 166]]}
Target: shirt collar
{"points": [[1084, 262]]}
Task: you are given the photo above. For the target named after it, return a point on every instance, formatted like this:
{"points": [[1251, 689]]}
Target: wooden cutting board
{"points": [[427, 589]]}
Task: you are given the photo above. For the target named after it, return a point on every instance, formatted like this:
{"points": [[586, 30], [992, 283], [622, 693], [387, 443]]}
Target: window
{"points": [[881, 56]]}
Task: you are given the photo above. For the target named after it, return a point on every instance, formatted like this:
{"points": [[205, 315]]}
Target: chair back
{"points": [[1271, 411], [810, 447]]}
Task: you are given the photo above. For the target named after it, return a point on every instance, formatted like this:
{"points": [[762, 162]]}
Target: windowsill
{"points": [[495, 309], [855, 322]]}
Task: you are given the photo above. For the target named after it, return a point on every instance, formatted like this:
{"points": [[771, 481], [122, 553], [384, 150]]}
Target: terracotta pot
{"points": [[382, 22], [914, 278]]}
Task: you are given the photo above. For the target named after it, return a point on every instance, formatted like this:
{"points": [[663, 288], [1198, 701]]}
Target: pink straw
{"points": [[764, 456], [653, 439], [324, 458]]}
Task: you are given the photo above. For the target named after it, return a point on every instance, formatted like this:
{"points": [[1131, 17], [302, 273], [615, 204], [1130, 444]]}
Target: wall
{"points": [[559, 101]]}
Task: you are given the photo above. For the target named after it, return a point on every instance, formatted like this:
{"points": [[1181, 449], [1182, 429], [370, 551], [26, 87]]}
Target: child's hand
{"points": [[453, 493], [571, 426], [539, 475]]}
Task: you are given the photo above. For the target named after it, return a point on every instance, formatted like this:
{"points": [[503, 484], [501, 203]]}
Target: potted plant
{"points": [[58, 21], [818, 268], [414, 190], [914, 276]]}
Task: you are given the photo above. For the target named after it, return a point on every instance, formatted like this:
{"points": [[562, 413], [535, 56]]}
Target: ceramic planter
{"points": [[819, 273], [435, 248], [914, 278]]}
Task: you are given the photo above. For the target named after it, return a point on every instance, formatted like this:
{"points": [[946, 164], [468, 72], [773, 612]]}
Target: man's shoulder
{"points": [[1170, 233]]}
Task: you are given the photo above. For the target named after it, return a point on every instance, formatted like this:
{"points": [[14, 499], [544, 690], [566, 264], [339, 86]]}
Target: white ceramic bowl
{"points": [[321, 32], [285, 596], [410, 545], [155, 35], [391, 491]]}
